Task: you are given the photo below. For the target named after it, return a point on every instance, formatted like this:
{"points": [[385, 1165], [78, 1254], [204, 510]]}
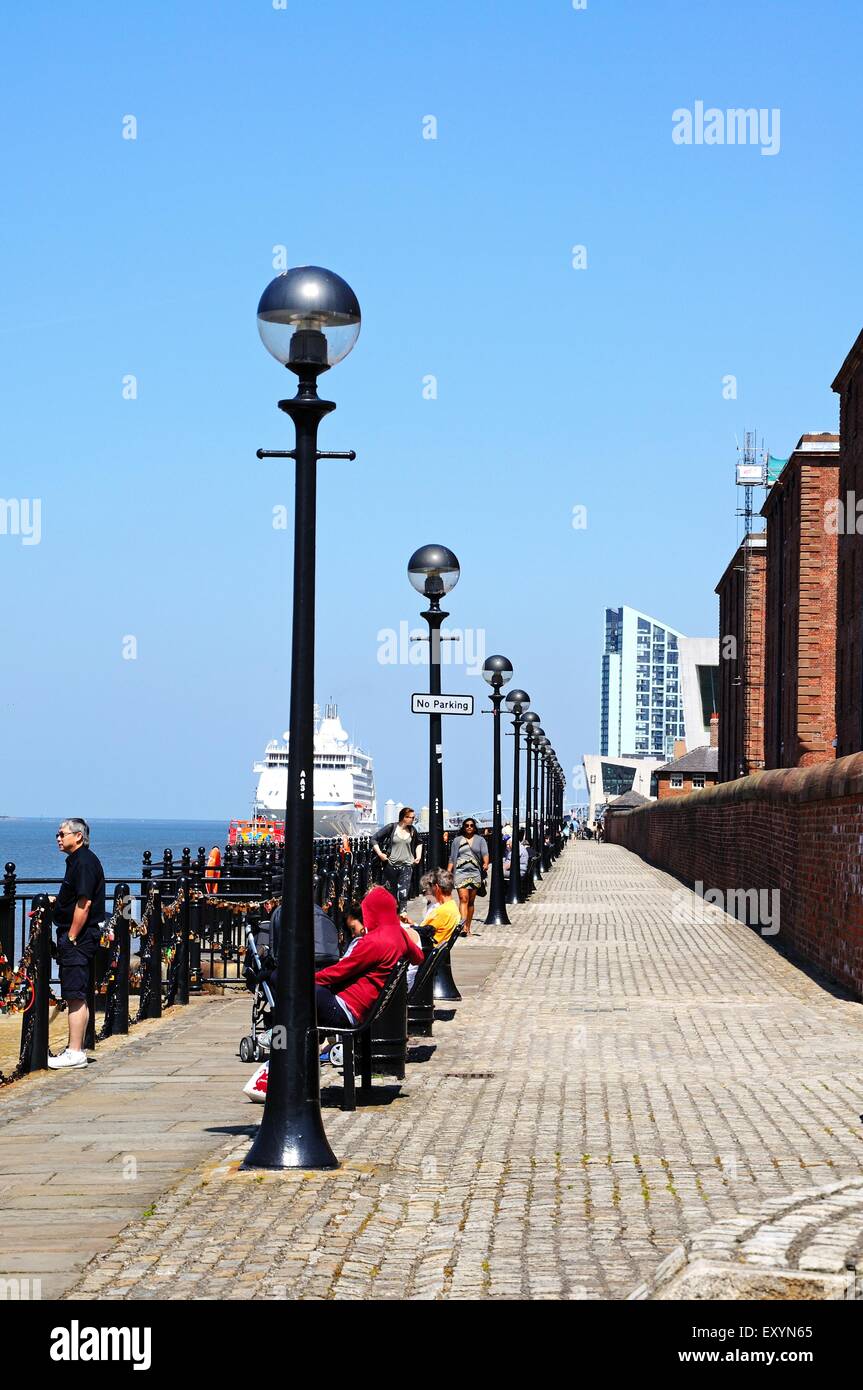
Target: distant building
{"points": [[692, 772], [657, 686], [630, 801], [742, 598], [800, 655], [608, 778]]}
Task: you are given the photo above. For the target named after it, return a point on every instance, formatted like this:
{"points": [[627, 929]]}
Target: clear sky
{"points": [[557, 387]]}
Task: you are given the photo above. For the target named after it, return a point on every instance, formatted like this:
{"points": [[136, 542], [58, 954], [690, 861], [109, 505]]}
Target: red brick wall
{"points": [[849, 597], [800, 656], [741, 672], [664, 788], [798, 830]]}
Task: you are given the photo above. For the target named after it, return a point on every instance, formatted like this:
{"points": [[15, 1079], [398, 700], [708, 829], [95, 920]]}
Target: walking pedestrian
{"points": [[79, 912], [399, 848], [468, 864]]}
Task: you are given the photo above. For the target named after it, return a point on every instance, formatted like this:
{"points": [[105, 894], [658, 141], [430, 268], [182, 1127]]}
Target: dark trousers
{"points": [[330, 1012], [398, 881]]}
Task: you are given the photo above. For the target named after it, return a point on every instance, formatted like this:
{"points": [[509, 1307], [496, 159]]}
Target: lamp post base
{"points": [[496, 915], [291, 1139]]}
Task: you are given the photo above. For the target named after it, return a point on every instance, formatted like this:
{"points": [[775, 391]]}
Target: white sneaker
{"points": [[68, 1059]]}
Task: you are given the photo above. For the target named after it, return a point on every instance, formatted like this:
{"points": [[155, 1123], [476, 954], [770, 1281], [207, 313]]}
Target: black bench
{"points": [[349, 1036], [424, 991], [529, 877]]}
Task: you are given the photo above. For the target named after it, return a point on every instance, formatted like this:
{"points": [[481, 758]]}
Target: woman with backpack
{"points": [[468, 864], [399, 848]]}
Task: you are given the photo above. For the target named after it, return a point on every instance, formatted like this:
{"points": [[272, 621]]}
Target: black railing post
{"points": [[7, 917], [34, 1024], [151, 972], [196, 921], [185, 930], [122, 955], [168, 873]]}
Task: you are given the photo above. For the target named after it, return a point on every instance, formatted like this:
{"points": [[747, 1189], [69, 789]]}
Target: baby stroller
{"points": [[259, 969]]}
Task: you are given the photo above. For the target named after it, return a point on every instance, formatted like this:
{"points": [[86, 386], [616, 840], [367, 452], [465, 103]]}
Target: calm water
{"points": [[31, 847]]}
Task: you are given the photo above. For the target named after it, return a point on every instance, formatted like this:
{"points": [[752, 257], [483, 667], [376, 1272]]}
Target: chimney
{"points": [[679, 747], [714, 730]]}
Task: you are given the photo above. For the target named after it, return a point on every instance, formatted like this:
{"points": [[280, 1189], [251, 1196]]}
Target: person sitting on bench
{"points": [[523, 855], [442, 914], [347, 992]]}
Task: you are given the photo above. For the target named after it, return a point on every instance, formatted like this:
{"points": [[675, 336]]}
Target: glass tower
{"points": [[642, 696]]}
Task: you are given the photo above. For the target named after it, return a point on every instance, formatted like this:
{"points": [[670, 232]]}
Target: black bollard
{"points": [[445, 988], [389, 1034], [421, 1008]]}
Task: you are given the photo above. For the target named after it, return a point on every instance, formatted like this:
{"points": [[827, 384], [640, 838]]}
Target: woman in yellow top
{"points": [[442, 915]]}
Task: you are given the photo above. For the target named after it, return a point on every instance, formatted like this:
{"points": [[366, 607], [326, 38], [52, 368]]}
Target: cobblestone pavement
{"points": [[618, 1084]]}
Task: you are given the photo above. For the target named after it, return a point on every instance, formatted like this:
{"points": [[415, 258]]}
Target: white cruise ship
{"points": [[344, 781]]}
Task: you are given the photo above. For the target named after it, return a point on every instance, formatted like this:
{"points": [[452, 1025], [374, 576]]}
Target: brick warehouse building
{"points": [[742, 594], [800, 645], [849, 583]]}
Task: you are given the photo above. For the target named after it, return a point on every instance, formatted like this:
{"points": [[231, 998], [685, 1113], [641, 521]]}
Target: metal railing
{"points": [[190, 930]]}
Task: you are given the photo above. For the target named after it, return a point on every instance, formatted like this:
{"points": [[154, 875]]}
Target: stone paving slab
{"points": [[614, 1086], [82, 1153]]}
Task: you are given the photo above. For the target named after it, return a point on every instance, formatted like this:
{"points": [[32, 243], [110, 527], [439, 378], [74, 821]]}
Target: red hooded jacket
{"points": [[361, 974]]}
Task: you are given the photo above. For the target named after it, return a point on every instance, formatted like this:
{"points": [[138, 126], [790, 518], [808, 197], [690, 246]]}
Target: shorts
{"points": [[74, 960]]}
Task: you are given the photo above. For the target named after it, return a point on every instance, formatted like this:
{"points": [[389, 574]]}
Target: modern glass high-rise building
{"points": [[642, 686]]}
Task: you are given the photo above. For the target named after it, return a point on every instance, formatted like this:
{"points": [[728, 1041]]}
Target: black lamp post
{"points": [[518, 702], [530, 722], [433, 570], [558, 802], [497, 670], [309, 320], [543, 749], [537, 734]]}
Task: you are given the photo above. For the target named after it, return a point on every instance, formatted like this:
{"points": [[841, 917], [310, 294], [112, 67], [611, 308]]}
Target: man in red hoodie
{"points": [[347, 991]]}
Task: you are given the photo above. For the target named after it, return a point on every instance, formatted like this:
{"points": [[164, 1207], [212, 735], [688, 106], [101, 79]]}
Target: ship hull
{"points": [[330, 821]]}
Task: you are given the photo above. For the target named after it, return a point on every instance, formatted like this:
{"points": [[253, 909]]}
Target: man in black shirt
{"points": [[79, 910]]}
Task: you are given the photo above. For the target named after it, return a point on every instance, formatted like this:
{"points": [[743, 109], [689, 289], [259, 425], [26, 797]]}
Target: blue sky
{"points": [[556, 387]]}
